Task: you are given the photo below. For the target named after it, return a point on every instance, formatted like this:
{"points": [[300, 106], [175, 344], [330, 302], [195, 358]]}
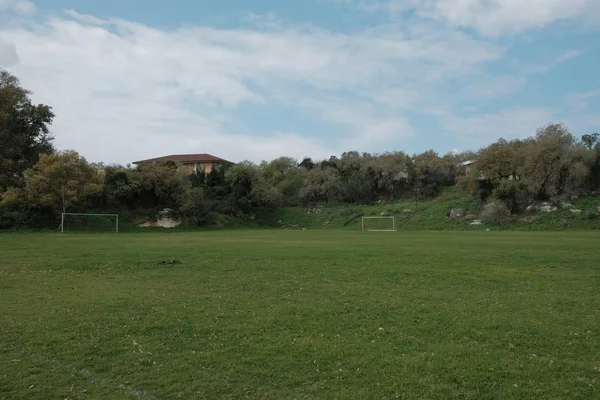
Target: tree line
{"points": [[37, 182]]}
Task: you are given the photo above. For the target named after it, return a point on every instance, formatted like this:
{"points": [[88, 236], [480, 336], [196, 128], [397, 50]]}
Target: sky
{"points": [[259, 79]]}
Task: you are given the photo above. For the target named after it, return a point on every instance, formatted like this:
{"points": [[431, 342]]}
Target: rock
{"points": [[476, 222], [566, 204], [575, 211], [528, 219], [383, 214], [165, 220], [470, 216], [319, 211], [531, 208], [547, 207], [457, 213], [408, 211]]}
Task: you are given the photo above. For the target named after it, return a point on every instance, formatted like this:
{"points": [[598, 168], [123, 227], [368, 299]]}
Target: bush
{"points": [[495, 212], [513, 194]]}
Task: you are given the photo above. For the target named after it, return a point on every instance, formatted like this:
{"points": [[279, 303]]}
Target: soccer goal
{"points": [[89, 222], [378, 224]]}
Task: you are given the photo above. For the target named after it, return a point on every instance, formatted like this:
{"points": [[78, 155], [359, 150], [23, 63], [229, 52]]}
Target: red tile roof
{"points": [[186, 158]]}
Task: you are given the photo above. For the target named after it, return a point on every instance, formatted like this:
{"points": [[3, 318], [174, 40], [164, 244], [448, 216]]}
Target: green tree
{"points": [[162, 186], [429, 173], [24, 131], [554, 165], [590, 140], [391, 171], [60, 182], [249, 188], [500, 161], [307, 163], [358, 181], [286, 175], [322, 184]]}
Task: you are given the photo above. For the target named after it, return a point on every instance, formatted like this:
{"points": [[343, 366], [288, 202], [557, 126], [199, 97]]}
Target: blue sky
{"points": [[254, 80]]}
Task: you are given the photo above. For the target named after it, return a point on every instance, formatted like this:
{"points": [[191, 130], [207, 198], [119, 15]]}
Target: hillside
{"points": [[431, 215]]}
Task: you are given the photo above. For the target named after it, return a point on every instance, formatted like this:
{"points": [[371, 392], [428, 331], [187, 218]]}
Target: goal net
{"points": [[82, 222], [378, 224]]}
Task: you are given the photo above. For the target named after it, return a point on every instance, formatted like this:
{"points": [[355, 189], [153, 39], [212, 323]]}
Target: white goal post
{"points": [[62, 219], [378, 224]]}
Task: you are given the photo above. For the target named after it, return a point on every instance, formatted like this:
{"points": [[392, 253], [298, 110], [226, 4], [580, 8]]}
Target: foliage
{"points": [[514, 194], [589, 140], [495, 212], [391, 173], [193, 209], [287, 176], [249, 188], [553, 165], [550, 165], [60, 182], [322, 184], [24, 131]]}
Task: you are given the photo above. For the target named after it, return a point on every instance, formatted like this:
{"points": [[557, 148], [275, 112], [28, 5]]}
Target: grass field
{"points": [[300, 315]]}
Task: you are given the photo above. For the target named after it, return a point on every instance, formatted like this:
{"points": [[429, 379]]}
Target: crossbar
{"points": [[96, 215]]}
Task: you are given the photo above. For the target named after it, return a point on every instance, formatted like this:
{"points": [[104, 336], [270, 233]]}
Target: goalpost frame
{"points": [[62, 219], [380, 230]]}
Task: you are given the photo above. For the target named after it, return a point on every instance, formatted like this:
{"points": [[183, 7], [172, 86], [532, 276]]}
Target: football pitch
{"points": [[272, 314]]}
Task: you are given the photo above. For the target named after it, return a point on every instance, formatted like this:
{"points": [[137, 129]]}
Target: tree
{"points": [[429, 172], [322, 184], [249, 188], [494, 164], [307, 163], [59, 181], [24, 131], [553, 165], [391, 172], [286, 175], [357, 177], [161, 186], [590, 140]]}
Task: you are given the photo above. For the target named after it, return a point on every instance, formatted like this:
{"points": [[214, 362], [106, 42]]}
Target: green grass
{"points": [[431, 215], [276, 314]]}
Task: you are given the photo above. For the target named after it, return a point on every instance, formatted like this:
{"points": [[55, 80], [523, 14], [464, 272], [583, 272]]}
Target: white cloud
{"points": [[479, 130], [20, 6], [580, 102], [124, 91], [489, 17], [8, 54]]}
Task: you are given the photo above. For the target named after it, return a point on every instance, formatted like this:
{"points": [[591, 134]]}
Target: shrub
{"points": [[513, 194], [496, 212]]}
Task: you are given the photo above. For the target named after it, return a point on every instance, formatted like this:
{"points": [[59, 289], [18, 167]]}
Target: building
{"points": [[467, 165], [192, 163]]}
